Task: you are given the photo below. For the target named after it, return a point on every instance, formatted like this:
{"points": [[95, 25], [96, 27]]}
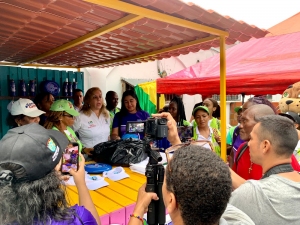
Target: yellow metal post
{"points": [[223, 96]]}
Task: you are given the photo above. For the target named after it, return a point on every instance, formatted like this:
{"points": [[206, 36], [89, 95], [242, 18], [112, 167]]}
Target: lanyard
{"points": [[282, 168]]}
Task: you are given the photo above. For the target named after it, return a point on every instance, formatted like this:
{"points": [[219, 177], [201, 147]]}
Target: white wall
{"points": [[110, 78]]}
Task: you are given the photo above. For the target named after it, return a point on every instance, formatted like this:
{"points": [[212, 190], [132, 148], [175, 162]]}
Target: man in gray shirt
{"points": [[275, 199], [196, 187]]}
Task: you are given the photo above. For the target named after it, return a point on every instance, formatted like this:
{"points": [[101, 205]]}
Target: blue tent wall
{"points": [[27, 74]]}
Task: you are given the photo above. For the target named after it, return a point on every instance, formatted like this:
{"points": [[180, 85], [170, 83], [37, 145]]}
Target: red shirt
{"points": [[244, 169]]}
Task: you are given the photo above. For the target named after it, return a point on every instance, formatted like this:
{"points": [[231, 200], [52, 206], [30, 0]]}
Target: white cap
{"points": [[116, 174], [25, 107]]}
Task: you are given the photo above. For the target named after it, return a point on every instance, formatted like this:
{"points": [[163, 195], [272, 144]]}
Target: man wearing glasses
{"points": [[197, 186]]}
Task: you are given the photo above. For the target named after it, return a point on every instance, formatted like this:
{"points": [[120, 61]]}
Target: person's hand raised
{"points": [[173, 137], [79, 175]]}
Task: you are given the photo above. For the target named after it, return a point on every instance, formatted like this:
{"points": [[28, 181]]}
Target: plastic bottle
{"points": [[70, 89], [32, 88], [74, 85], [12, 86], [22, 88], [65, 87]]}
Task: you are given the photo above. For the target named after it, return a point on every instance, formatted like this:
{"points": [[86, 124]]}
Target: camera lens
{"points": [[162, 121]]}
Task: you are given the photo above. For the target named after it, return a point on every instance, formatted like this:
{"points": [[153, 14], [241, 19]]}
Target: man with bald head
{"points": [[243, 166]]}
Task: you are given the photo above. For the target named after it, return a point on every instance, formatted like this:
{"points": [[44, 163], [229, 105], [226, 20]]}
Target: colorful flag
{"points": [[146, 93]]}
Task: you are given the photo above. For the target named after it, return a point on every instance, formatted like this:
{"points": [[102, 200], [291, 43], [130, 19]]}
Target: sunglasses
{"points": [[68, 115], [170, 151]]}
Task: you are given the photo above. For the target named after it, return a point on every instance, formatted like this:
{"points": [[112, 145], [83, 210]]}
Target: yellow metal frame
{"points": [[149, 54], [103, 30], [37, 65], [151, 14], [223, 97]]}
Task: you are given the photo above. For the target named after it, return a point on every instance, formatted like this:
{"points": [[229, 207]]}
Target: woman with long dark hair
{"points": [[176, 109], [31, 188], [130, 111], [43, 101]]}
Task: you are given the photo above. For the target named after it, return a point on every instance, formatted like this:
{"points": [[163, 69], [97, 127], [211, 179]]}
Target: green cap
{"points": [[63, 105], [238, 108], [200, 107]]}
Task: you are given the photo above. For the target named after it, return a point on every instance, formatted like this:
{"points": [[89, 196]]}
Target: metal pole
{"points": [[223, 97]]}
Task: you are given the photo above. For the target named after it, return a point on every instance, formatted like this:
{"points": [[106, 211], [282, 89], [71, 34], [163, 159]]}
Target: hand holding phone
{"points": [[79, 175], [70, 158]]}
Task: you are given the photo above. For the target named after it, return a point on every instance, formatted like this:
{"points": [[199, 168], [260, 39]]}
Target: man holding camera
{"points": [[195, 194]]}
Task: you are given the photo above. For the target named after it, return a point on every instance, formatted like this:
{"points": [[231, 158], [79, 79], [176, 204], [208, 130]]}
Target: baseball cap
{"points": [[63, 105], [237, 109], [33, 147], [200, 107], [291, 115], [26, 107]]}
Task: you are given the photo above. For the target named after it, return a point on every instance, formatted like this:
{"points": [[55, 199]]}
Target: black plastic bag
{"points": [[120, 152], [104, 151]]}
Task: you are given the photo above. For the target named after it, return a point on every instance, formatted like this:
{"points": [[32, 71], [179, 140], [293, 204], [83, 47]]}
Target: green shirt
{"points": [[229, 136], [112, 114], [70, 134]]}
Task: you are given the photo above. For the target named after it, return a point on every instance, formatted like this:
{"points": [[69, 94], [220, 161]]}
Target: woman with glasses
{"points": [[61, 117], [93, 123], [202, 131]]}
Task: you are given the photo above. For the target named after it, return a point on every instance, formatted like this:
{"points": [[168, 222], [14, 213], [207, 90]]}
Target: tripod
{"points": [[155, 177]]}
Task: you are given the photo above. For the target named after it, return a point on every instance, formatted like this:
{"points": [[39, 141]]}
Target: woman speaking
{"points": [[130, 111]]}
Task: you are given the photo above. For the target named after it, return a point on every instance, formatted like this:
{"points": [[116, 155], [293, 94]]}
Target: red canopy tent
{"points": [[260, 66]]}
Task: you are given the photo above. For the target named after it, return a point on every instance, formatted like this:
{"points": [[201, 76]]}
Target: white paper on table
{"points": [[92, 182], [141, 167]]}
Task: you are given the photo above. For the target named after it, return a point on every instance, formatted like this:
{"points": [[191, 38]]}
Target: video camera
{"points": [[154, 128]]}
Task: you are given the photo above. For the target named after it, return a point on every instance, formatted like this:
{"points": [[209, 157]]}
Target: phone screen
{"points": [[70, 158]]}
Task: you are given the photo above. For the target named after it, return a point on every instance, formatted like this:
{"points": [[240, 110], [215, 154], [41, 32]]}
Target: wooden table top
{"points": [[115, 196]]}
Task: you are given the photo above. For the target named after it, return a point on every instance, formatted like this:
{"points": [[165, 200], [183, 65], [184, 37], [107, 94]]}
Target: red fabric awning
{"points": [[260, 66]]}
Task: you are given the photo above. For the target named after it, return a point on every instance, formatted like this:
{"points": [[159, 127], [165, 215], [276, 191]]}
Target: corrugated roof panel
{"points": [[42, 25], [32, 5], [104, 12], [70, 9]]}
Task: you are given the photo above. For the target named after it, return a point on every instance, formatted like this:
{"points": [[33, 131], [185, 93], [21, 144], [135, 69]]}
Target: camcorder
{"points": [[154, 128]]}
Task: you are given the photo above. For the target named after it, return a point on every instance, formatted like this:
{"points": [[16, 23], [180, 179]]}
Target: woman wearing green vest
{"points": [[201, 130], [61, 118], [212, 106]]}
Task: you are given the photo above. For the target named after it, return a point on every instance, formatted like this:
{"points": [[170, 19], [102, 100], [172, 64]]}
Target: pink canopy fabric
{"points": [[260, 66]]}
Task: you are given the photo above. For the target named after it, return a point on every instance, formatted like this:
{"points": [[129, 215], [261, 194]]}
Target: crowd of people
{"points": [[260, 185]]}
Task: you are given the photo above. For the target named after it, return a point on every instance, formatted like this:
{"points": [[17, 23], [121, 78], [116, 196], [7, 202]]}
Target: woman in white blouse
{"points": [[93, 122]]}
